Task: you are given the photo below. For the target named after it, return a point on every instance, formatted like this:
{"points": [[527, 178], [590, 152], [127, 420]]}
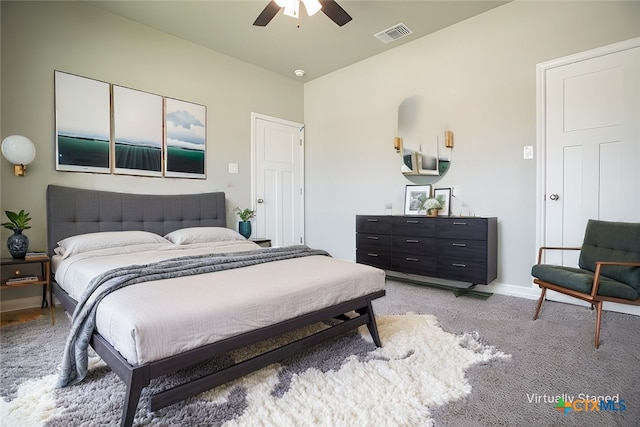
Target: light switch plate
{"points": [[528, 152], [233, 168]]}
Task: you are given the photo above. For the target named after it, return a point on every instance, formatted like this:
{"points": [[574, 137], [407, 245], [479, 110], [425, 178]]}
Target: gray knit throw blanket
{"points": [[75, 358]]}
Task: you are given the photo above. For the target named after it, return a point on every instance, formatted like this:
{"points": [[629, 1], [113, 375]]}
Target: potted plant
{"points": [[17, 243], [244, 226], [432, 205]]}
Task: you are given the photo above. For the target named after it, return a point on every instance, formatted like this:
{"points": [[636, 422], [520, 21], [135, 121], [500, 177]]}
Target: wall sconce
{"points": [[397, 144], [20, 151], [448, 139]]}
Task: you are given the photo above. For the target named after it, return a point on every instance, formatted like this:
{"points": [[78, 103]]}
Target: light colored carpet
{"points": [[552, 356], [345, 382]]}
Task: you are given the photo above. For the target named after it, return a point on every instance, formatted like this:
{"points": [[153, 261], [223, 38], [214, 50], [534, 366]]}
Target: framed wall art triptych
{"points": [[105, 128]]}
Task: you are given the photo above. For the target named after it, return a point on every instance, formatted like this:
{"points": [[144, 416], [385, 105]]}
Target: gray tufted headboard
{"points": [[72, 211]]}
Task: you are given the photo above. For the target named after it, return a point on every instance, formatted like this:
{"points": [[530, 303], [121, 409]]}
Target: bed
{"points": [[156, 327]]}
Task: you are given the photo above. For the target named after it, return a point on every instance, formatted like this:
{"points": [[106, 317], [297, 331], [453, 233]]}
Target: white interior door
{"points": [[591, 144], [278, 178]]}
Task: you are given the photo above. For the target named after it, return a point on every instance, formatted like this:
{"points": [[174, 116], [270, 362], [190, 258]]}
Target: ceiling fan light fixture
{"points": [[312, 6], [292, 8]]}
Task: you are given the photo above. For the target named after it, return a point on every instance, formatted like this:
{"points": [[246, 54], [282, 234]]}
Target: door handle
{"points": [[554, 197], [260, 200]]}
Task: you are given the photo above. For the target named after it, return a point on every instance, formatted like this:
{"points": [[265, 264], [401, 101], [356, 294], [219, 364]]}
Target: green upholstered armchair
{"points": [[608, 268]]}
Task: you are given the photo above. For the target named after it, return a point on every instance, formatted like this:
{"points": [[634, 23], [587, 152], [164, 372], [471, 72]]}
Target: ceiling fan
{"points": [[292, 7]]}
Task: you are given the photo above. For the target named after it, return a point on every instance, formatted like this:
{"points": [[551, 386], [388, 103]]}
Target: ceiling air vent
{"points": [[394, 33]]}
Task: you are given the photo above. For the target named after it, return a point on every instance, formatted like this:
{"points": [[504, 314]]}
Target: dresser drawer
{"points": [[414, 245], [380, 259], [467, 250], [464, 271], [414, 263], [418, 226], [462, 228], [373, 224], [380, 242]]}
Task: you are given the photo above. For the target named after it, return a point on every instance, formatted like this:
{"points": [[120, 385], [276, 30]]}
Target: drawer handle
{"points": [[412, 241], [372, 255], [372, 220], [459, 223], [411, 222], [459, 265], [373, 237], [412, 259], [462, 245]]}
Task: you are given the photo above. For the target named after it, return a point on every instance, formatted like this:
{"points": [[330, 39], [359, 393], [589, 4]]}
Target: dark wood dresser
{"points": [[454, 248]]}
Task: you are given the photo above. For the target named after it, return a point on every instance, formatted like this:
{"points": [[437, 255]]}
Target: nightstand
{"points": [[265, 243], [44, 278]]}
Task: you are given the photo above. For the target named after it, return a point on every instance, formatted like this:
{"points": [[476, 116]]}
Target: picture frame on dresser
{"points": [[414, 195], [446, 198]]}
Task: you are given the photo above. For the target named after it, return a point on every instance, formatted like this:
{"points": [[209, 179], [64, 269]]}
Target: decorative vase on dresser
{"points": [[454, 248]]}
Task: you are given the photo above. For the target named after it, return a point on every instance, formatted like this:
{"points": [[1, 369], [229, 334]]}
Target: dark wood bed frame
{"points": [[73, 211]]}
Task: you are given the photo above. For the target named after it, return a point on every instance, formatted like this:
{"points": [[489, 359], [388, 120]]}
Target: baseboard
{"points": [[528, 292], [607, 306], [20, 304]]}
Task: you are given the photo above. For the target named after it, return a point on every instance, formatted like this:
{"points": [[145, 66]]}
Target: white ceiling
{"points": [[315, 44]]}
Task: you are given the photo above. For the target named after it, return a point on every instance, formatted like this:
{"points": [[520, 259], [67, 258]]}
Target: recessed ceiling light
{"points": [[299, 73]]}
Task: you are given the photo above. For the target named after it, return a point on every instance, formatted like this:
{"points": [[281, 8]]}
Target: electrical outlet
{"points": [[528, 152]]}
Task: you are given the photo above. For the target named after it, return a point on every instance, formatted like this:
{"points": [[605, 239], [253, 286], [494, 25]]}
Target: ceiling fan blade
{"points": [[267, 14], [335, 12]]}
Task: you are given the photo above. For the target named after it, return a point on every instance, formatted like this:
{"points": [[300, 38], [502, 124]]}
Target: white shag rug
{"points": [[345, 382]]}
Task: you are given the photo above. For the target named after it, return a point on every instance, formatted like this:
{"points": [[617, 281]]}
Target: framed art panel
{"points": [[444, 196], [185, 147], [414, 197], [83, 127], [137, 132]]}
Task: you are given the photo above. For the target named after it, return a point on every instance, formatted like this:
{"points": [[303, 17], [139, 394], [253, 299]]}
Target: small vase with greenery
{"points": [[432, 205], [244, 226], [17, 243]]}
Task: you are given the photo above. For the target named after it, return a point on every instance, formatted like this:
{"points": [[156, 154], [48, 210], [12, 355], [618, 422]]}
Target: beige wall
{"points": [[40, 37], [477, 78]]}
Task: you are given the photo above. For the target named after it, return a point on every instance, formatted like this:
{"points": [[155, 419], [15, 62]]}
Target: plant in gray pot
{"points": [[244, 226], [17, 243]]}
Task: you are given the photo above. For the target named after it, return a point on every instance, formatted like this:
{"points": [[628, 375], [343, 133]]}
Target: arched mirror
{"points": [[425, 155]]}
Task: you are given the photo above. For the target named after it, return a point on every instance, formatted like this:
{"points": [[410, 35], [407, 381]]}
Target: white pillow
{"points": [[186, 236], [104, 240]]}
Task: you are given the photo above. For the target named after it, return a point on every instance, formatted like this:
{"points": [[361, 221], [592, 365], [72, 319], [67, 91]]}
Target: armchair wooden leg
{"points": [[598, 320], [540, 301]]}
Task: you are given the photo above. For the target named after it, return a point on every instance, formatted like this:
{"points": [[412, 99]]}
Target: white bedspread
{"points": [[153, 320]]}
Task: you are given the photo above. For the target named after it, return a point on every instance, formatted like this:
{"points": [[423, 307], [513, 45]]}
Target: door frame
{"points": [[541, 124], [254, 175]]}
